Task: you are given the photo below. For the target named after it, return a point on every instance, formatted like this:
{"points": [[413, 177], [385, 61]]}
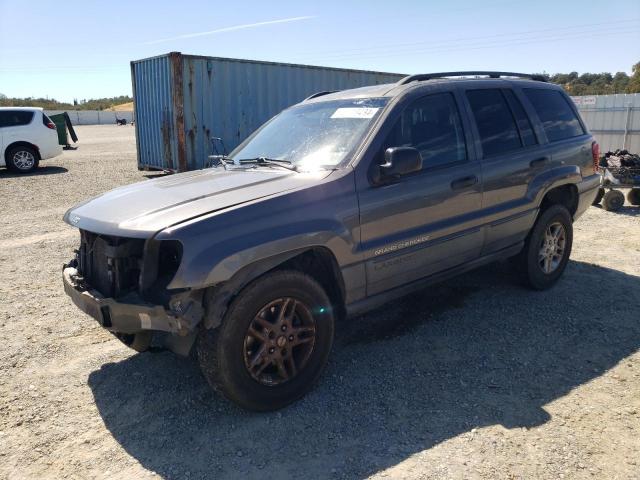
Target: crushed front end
{"points": [[122, 283]]}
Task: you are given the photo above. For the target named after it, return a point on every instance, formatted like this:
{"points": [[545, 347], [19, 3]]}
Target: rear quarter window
{"points": [[15, 118], [558, 118]]}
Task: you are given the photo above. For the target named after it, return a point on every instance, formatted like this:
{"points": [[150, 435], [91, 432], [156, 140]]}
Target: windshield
{"points": [[319, 134]]}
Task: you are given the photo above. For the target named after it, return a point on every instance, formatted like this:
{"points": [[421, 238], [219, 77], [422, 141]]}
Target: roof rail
{"points": [[430, 76], [319, 94]]}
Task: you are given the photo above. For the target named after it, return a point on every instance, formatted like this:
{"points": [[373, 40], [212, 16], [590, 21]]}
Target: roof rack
{"points": [[430, 76], [319, 94]]}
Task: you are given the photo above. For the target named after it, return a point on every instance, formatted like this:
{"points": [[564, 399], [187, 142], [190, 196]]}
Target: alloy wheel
{"points": [[279, 341], [23, 160], [552, 247]]}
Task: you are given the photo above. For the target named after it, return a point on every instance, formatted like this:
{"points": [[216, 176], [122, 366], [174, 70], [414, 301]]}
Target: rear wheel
{"points": [[273, 343], [22, 159], [547, 249], [599, 196], [613, 200], [634, 196]]}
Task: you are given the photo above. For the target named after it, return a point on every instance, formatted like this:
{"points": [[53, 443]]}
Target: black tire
{"points": [[140, 342], [22, 159], [222, 352], [528, 262], [613, 200], [599, 196], [633, 197]]}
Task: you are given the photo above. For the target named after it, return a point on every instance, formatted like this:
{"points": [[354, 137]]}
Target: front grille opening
{"points": [[111, 265]]}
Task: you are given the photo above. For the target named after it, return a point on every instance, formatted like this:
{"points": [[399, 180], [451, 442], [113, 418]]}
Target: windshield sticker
{"points": [[357, 112]]}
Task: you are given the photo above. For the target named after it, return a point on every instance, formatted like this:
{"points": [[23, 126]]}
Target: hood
{"points": [[141, 209]]}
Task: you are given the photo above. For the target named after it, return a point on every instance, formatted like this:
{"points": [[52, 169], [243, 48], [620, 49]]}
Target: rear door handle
{"points": [[538, 162], [464, 182]]}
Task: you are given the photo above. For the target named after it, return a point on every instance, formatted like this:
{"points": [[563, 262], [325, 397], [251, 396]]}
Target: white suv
{"points": [[27, 136]]}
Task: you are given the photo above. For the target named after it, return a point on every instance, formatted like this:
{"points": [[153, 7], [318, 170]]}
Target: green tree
{"points": [[634, 81]]}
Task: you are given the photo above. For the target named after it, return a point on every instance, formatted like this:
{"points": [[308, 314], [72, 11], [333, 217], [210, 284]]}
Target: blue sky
{"points": [[82, 49]]}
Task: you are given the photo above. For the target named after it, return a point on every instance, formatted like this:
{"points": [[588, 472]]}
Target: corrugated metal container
{"points": [[181, 101], [614, 120]]}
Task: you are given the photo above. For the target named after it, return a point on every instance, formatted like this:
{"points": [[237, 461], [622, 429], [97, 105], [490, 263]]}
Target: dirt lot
{"points": [[475, 378]]}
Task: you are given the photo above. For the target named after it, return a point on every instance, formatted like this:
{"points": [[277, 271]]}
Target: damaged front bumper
{"points": [[130, 314]]}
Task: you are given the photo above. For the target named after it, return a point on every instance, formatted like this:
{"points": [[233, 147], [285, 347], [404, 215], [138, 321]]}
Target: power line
{"points": [[431, 44], [475, 46]]}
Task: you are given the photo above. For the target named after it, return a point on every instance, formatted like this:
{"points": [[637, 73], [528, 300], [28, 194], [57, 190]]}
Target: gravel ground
{"points": [[473, 378]]}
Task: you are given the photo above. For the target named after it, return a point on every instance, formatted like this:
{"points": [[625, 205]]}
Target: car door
{"points": [[511, 157], [427, 221]]}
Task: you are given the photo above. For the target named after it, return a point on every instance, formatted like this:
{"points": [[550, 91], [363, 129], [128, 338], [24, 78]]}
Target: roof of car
{"points": [[372, 91], [394, 89], [29, 109]]}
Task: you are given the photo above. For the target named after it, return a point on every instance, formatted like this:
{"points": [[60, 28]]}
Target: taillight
{"points": [[595, 153], [51, 125]]}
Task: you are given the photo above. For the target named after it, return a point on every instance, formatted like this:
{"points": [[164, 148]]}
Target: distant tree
{"points": [[2, 96], [52, 104], [620, 82], [634, 81], [598, 83]]}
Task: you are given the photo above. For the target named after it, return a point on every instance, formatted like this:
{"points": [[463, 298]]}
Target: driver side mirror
{"points": [[400, 161]]}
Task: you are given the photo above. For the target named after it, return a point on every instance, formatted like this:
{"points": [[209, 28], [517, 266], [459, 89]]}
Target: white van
{"points": [[27, 136]]}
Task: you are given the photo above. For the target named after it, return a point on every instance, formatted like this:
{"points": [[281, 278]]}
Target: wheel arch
{"points": [[21, 143], [566, 195], [319, 262], [557, 186]]}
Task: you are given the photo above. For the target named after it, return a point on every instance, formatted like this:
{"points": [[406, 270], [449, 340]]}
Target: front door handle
{"points": [[464, 182], [538, 162]]}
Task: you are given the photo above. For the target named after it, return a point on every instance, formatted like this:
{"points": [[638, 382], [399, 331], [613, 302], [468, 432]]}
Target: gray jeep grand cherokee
{"points": [[333, 207]]}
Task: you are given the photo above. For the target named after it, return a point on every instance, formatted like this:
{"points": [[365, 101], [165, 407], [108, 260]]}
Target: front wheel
{"points": [[547, 248], [273, 343]]}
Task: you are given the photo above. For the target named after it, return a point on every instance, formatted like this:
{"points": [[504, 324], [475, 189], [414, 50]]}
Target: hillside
{"points": [[53, 104], [123, 107]]}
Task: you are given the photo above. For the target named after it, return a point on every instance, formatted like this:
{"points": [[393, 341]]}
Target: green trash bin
{"points": [[61, 127]]}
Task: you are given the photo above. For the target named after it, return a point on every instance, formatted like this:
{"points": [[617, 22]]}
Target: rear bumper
{"points": [[587, 191], [50, 150], [129, 314]]}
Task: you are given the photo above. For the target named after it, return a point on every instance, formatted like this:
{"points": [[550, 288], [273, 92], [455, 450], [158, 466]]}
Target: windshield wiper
{"points": [[268, 161], [221, 160]]}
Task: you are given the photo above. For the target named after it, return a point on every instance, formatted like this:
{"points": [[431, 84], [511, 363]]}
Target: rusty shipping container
{"points": [[182, 101]]}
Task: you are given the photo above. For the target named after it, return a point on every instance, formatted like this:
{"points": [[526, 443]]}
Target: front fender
{"points": [[218, 246], [216, 264]]}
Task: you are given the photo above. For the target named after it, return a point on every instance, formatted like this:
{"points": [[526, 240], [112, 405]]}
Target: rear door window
{"points": [[558, 118], [524, 124], [496, 124], [15, 118]]}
